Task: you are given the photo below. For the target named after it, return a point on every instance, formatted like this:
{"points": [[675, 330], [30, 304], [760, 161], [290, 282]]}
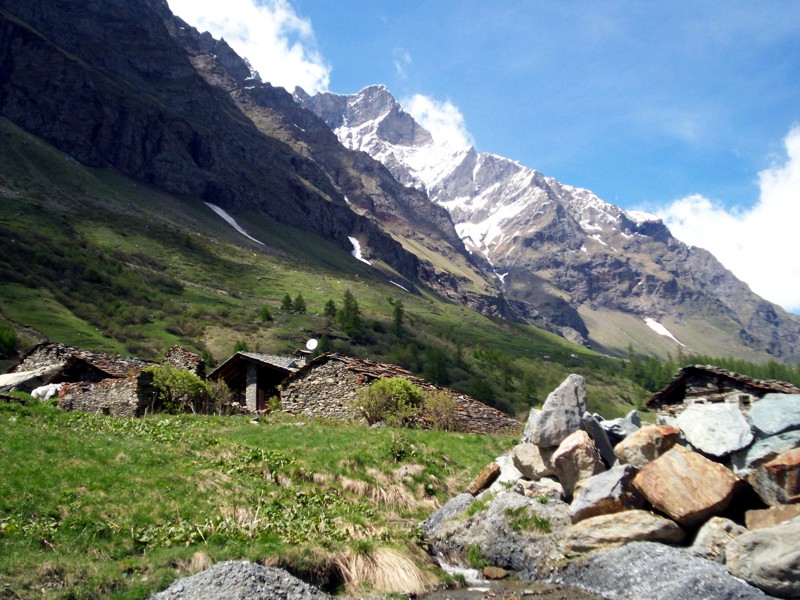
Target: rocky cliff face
{"points": [[130, 87], [597, 273]]}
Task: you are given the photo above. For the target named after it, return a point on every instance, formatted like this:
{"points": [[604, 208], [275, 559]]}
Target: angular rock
{"points": [[533, 462], [646, 444], [778, 481], [509, 475], [484, 479], [768, 559], [610, 531], [763, 450], [576, 459], [715, 429], [530, 425], [241, 580], [769, 517], [609, 492], [600, 438], [452, 508], [686, 486], [654, 571], [619, 429], [713, 536], [775, 413], [562, 412]]}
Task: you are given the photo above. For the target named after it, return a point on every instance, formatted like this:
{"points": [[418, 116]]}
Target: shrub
{"points": [[440, 410], [177, 389], [8, 340], [394, 400]]}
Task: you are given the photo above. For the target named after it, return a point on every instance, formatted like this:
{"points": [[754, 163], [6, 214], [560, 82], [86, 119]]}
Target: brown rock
{"points": [[494, 573], [617, 529], [647, 444], [769, 517], [686, 486], [778, 481], [576, 459], [484, 479], [533, 462]]}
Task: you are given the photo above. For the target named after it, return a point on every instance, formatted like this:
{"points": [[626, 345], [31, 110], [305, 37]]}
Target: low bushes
{"points": [[397, 402]]}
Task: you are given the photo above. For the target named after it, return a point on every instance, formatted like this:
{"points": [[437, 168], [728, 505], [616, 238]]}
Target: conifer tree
{"points": [[299, 304]]}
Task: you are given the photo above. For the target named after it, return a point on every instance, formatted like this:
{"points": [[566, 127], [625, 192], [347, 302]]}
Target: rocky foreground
{"points": [[702, 506]]}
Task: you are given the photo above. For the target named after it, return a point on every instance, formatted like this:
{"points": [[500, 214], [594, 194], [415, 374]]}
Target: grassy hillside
{"points": [[90, 258], [96, 507]]}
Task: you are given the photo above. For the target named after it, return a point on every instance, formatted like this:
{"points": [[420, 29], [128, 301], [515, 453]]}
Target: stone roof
{"points": [[52, 353], [674, 391], [475, 415], [283, 363]]}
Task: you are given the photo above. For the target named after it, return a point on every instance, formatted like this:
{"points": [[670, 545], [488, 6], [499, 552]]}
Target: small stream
{"points": [[479, 588]]}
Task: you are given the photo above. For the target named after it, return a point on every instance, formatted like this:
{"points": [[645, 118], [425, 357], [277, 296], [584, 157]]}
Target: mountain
{"points": [[602, 276], [131, 87]]}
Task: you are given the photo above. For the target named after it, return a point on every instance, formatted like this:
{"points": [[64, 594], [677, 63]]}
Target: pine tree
{"points": [[397, 318], [299, 304], [350, 315], [286, 303], [330, 309]]}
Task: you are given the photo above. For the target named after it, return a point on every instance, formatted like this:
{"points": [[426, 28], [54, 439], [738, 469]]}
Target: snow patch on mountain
{"points": [[661, 330], [231, 221], [357, 250]]}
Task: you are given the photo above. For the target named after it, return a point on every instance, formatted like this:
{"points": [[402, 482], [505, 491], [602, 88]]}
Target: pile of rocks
{"points": [[722, 487]]}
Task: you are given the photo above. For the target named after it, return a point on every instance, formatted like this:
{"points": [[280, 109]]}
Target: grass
{"points": [[92, 506]]}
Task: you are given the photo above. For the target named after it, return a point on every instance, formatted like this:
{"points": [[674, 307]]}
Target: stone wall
{"points": [[182, 359], [129, 397], [330, 389], [327, 390]]}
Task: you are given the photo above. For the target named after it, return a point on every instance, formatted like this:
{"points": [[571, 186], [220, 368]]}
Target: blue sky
{"points": [[689, 109]]}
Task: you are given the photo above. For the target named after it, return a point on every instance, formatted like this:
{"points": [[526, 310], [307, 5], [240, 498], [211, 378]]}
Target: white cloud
{"points": [[759, 244], [274, 39], [402, 61], [443, 120]]}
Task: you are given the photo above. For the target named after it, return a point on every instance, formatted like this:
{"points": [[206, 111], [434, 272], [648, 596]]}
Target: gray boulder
{"points": [[241, 580], [562, 413], [619, 429], [763, 450], [600, 438], [514, 531], [608, 492], [712, 538], [775, 413], [530, 425], [654, 571], [715, 429], [768, 558], [452, 509]]}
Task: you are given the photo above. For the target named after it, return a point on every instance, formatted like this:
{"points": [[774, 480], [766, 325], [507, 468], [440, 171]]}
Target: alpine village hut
{"points": [[254, 378], [699, 384]]}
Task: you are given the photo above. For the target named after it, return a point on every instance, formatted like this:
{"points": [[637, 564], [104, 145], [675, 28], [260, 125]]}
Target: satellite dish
{"points": [[312, 344]]}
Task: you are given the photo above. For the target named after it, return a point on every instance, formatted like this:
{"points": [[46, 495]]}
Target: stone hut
{"points": [[698, 384], [132, 396], [328, 386], [183, 360], [53, 363], [254, 378]]}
